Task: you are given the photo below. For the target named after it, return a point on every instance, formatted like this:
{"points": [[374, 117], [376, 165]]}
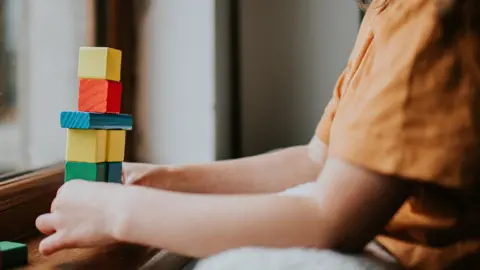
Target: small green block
{"points": [[85, 171], [13, 255], [114, 172]]}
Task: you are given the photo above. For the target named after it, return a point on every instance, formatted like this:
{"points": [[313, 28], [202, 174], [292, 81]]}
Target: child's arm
{"points": [[266, 173], [350, 207]]}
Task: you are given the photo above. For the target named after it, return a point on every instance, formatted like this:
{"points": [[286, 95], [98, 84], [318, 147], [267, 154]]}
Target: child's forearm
{"points": [[267, 173], [199, 226]]}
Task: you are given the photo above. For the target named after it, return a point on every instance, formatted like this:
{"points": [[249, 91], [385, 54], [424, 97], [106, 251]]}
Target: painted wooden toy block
{"points": [[85, 171], [114, 174], [13, 255], [99, 96], [87, 120], [116, 145], [86, 145], [99, 63]]}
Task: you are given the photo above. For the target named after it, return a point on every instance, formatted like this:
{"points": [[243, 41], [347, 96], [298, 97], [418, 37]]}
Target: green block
{"points": [[85, 171], [114, 174], [13, 255]]}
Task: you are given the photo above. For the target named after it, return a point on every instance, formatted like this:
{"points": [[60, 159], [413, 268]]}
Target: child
{"points": [[396, 158]]}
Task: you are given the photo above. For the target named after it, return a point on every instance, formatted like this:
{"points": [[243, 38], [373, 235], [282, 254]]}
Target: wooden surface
{"points": [[23, 198], [86, 145], [87, 120], [114, 172], [99, 96], [88, 171], [116, 145], [100, 63], [114, 257]]}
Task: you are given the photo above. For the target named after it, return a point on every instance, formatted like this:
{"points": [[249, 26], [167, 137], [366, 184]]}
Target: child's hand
{"points": [[144, 174], [82, 215]]}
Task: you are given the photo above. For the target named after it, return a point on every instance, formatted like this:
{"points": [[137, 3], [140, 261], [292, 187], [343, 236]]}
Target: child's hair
{"points": [[364, 4]]}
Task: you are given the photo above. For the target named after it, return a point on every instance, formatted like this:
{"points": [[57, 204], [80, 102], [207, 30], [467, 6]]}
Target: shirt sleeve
{"points": [[322, 131], [411, 112]]}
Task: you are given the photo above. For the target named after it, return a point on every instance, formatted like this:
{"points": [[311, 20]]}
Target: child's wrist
{"points": [[132, 207], [120, 212]]}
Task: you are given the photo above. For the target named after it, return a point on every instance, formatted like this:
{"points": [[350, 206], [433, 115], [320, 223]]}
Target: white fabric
{"points": [[317, 150], [290, 259], [300, 190]]}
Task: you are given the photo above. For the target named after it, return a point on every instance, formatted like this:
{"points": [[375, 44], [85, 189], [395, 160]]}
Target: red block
{"points": [[99, 96]]}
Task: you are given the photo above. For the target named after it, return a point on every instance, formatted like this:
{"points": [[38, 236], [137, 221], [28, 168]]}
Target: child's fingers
{"points": [[126, 168], [58, 190], [128, 178], [54, 243], [46, 223], [50, 245]]}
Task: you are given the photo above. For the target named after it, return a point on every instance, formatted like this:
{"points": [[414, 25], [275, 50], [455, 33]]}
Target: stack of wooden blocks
{"points": [[96, 133]]}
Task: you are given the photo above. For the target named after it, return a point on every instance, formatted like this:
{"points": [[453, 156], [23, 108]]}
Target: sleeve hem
{"points": [[391, 158]]}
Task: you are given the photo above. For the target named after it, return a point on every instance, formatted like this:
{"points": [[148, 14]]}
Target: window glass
{"points": [[9, 123], [39, 42]]}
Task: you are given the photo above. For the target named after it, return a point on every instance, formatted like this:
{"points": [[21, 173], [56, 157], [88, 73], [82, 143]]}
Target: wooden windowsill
{"points": [[120, 256], [24, 198], [113, 257]]}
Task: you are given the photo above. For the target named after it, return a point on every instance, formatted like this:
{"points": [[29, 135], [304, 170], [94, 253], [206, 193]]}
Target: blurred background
{"points": [[204, 79]]}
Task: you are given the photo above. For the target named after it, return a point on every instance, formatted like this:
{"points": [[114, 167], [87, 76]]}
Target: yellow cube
{"points": [[116, 145], [99, 63], [84, 145]]}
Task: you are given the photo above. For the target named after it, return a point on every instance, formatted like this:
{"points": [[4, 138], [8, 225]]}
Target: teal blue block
{"points": [[114, 172], [87, 120], [13, 255]]}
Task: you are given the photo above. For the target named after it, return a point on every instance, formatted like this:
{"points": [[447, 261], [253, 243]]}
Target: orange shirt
{"points": [[419, 120]]}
